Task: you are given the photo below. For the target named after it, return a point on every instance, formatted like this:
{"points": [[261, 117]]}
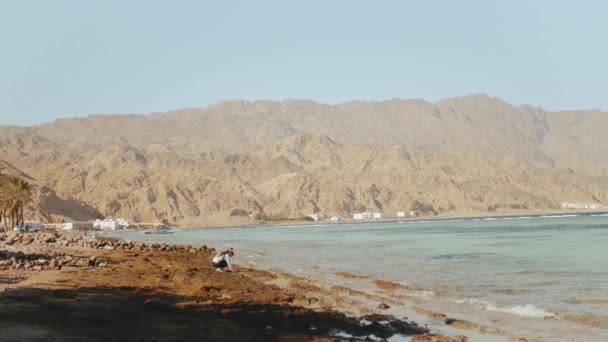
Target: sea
{"points": [[534, 276]]}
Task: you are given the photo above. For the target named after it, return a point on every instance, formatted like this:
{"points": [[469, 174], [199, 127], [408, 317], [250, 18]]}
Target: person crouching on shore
{"points": [[222, 259]]}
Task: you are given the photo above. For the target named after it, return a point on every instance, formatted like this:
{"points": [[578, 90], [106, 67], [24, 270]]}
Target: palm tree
{"points": [[15, 194]]}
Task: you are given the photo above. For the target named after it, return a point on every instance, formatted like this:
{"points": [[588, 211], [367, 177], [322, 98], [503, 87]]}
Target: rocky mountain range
{"points": [[233, 160]]}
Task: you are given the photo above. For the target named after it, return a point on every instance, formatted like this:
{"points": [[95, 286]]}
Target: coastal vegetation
{"points": [[15, 194]]}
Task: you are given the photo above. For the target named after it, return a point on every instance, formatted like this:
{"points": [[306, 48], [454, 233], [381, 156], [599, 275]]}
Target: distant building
{"points": [[381, 216], [592, 206], [406, 214], [362, 216], [29, 226], [111, 224], [75, 225], [335, 218], [52, 225], [315, 217]]}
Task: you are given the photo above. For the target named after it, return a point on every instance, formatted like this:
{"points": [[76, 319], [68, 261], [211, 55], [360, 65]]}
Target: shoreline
{"points": [[447, 217], [473, 308], [95, 284], [159, 279]]}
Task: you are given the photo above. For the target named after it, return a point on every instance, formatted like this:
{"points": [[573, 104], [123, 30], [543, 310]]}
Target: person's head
{"points": [[230, 251]]}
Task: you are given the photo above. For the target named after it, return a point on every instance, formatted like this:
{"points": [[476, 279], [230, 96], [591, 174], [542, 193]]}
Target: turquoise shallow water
{"points": [[525, 266]]}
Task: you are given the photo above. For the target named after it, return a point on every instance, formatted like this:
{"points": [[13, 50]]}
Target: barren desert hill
{"points": [[470, 124], [236, 159], [297, 176]]}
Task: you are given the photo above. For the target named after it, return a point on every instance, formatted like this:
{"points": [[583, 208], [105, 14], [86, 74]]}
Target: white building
{"points": [[75, 225], [111, 224], [592, 206], [383, 216], [29, 226], [316, 217], [335, 218], [362, 216], [406, 214]]}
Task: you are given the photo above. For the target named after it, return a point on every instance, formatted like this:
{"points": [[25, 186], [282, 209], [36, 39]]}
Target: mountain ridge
{"points": [[234, 160], [447, 125]]}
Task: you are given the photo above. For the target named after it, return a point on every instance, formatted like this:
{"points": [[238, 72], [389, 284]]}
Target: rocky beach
{"points": [[63, 287]]}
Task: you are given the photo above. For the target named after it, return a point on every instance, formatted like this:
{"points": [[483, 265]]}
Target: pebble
{"points": [[383, 306]]}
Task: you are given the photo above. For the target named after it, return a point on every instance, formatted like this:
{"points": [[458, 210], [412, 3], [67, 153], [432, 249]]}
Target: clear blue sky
{"points": [[74, 58]]}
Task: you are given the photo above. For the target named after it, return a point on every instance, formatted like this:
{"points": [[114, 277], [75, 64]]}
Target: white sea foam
{"points": [[557, 216], [481, 304], [340, 333], [527, 310], [418, 292], [422, 293], [416, 222]]}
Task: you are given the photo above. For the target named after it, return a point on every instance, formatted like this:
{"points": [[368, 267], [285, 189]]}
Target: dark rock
{"points": [[383, 306]]}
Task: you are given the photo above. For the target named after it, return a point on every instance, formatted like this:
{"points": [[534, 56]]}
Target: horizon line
{"points": [[253, 101]]}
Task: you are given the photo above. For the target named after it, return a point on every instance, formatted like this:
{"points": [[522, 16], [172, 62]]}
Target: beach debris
{"points": [[383, 306]]}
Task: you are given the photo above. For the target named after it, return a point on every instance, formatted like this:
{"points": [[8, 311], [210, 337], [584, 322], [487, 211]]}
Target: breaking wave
{"points": [[527, 310]]}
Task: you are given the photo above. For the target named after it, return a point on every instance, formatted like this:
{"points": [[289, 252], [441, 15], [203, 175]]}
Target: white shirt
{"points": [[219, 257]]}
